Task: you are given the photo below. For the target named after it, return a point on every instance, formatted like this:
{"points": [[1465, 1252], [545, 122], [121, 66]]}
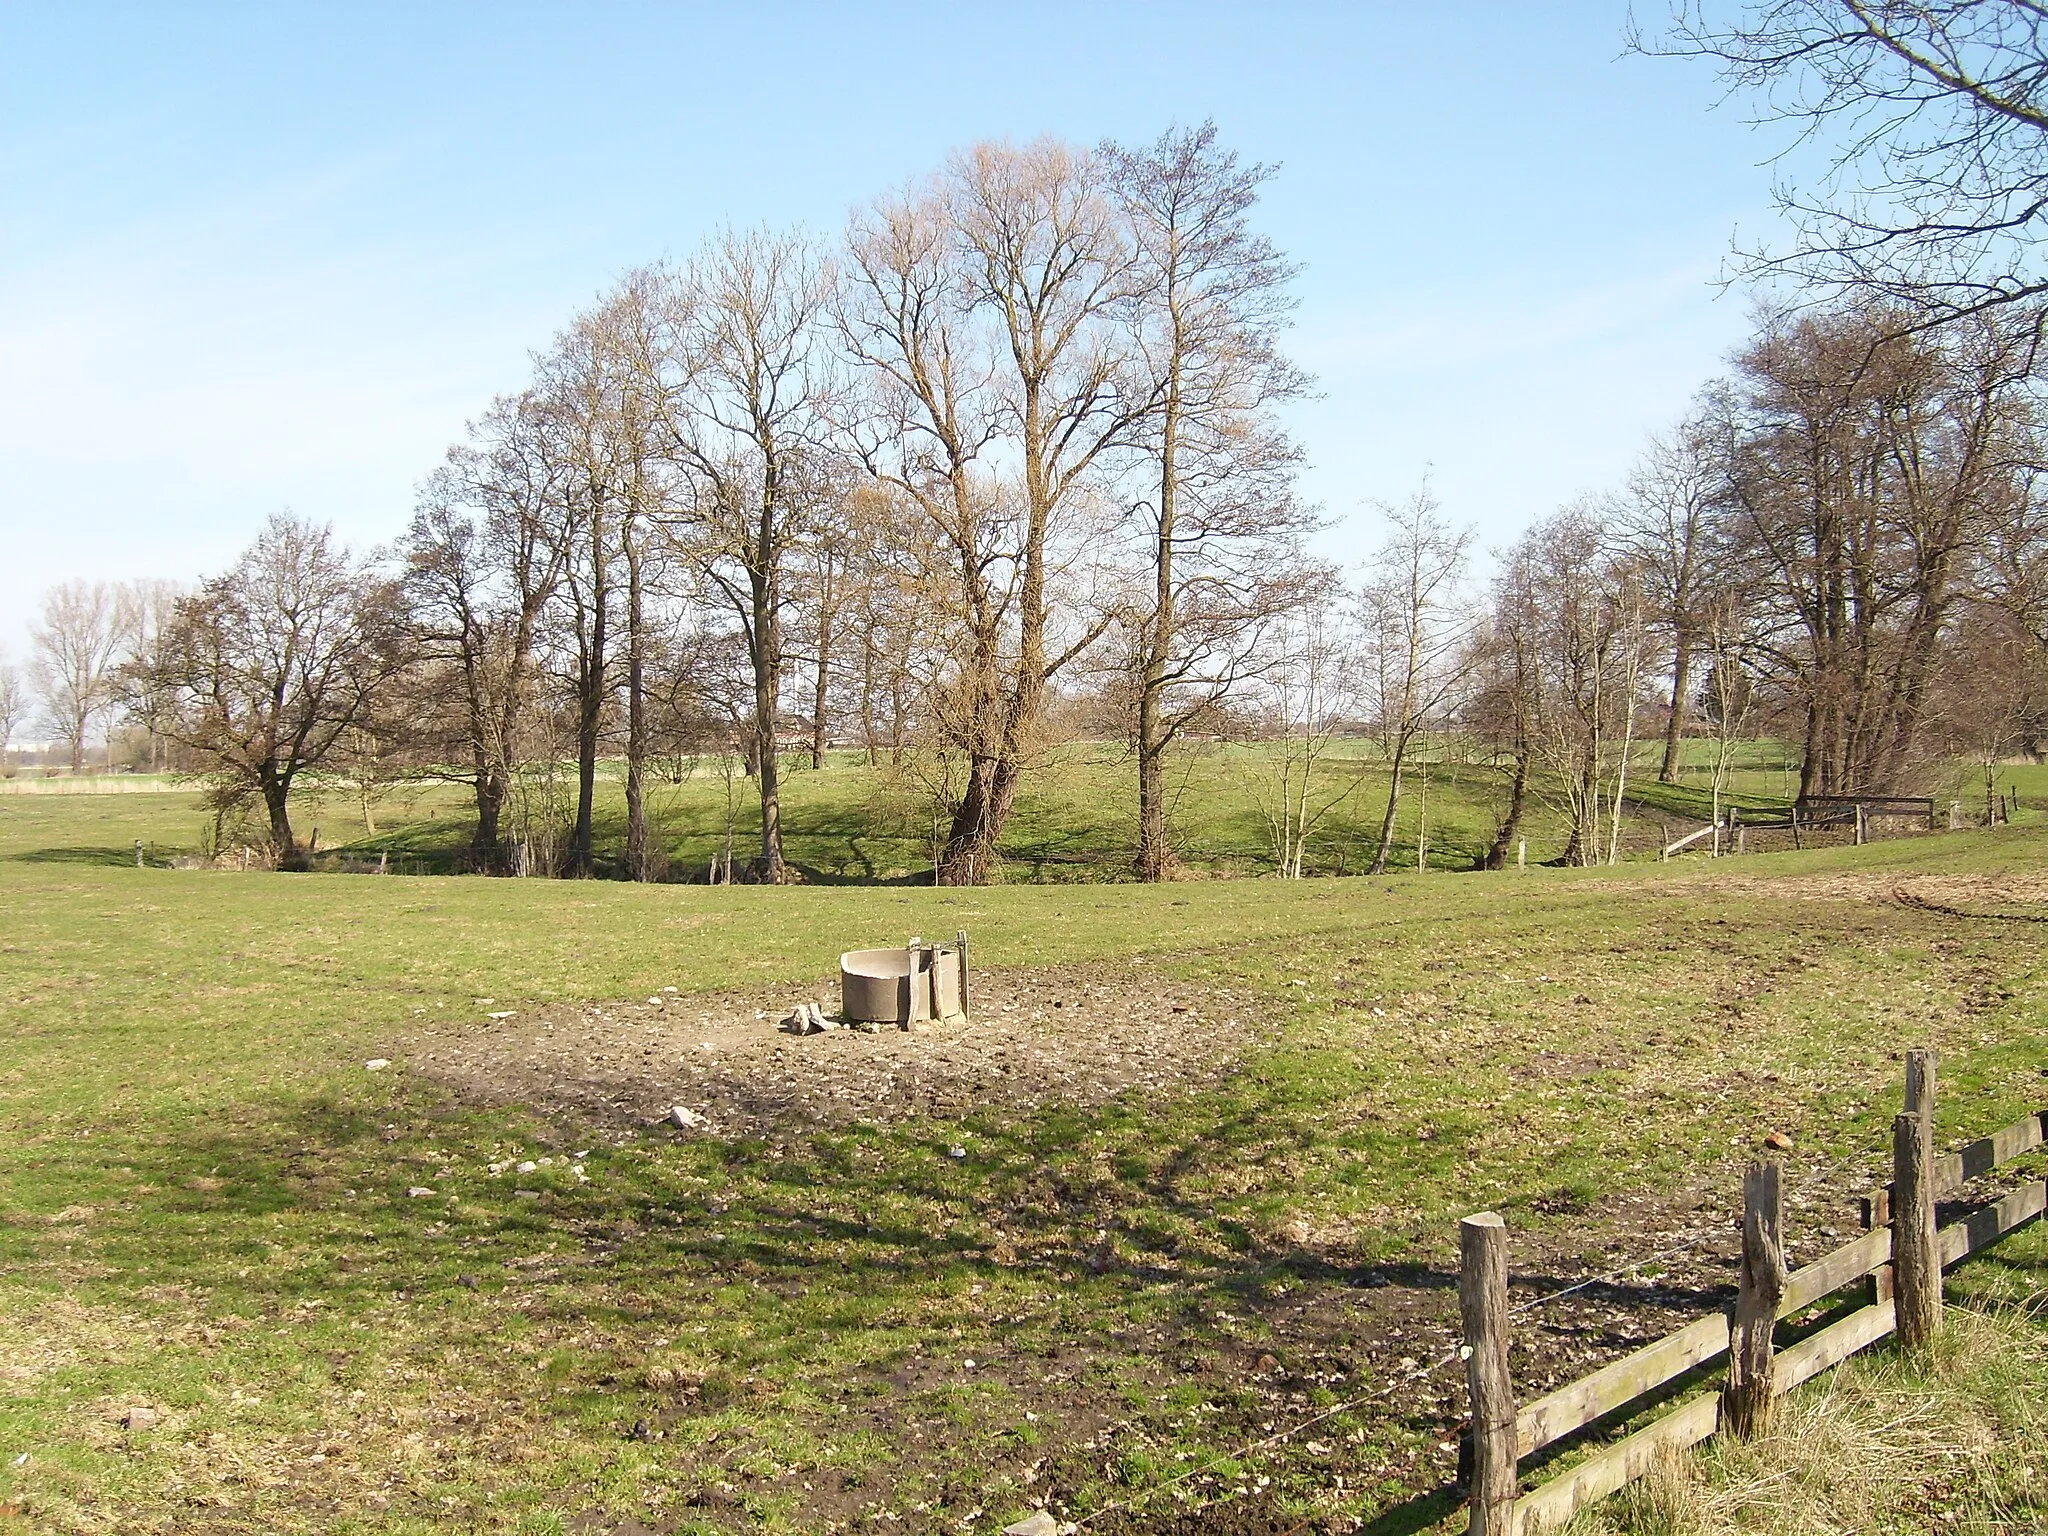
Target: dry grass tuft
{"points": [[1954, 1442]]}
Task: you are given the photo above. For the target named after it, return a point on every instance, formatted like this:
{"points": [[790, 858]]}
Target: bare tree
{"points": [[1936, 112], [1726, 638], [1574, 605], [149, 604], [1668, 522], [1416, 630], [75, 650], [264, 670], [1220, 521], [13, 706], [1303, 699], [750, 427], [1991, 699], [482, 561], [985, 313], [1864, 469], [1506, 699]]}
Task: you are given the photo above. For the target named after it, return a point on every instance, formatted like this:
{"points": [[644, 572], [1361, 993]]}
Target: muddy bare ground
{"points": [[1077, 1036], [1589, 1283], [1956, 895]]}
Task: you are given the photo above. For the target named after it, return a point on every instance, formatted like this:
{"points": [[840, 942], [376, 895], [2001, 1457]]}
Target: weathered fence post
{"points": [[1483, 1306], [1752, 1359], [1862, 826], [1921, 1067], [138, 853], [1916, 1267]]}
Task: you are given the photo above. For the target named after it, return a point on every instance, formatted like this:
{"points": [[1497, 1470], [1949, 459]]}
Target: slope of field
{"points": [[247, 1284], [1076, 817]]}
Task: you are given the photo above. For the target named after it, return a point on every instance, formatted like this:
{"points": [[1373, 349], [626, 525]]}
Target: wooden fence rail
{"points": [[1903, 1252]]}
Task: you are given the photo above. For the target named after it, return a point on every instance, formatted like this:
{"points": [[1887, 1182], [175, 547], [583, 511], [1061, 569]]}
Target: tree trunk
{"points": [[1511, 827], [1385, 849], [276, 795], [637, 855], [590, 694], [486, 845], [969, 857], [1155, 857], [766, 647], [589, 717], [1674, 728], [821, 681], [1155, 852]]}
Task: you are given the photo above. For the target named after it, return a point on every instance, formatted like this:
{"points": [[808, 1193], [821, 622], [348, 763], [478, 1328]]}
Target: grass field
{"points": [[205, 1208], [1075, 821]]}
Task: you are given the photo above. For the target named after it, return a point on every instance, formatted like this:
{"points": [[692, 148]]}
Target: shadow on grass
{"points": [[73, 856]]}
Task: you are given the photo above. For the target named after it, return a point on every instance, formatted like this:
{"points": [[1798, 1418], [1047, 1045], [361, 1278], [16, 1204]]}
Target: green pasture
{"points": [[204, 1195]]}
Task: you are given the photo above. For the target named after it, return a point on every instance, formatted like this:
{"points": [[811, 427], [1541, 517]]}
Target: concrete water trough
{"points": [[902, 986]]}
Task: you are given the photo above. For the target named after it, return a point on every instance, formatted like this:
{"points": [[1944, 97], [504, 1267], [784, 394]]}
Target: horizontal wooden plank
{"points": [[1832, 1345], [1982, 1228], [1956, 1169], [1829, 1273], [1548, 1507], [1579, 1403]]}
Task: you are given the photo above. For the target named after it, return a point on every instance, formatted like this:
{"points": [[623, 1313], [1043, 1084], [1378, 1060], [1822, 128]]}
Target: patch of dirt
{"points": [[1076, 1035], [1952, 894]]}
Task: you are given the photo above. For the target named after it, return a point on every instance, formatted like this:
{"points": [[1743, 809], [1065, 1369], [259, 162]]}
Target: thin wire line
{"points": [[1533, 1304], [1273, 1439]]}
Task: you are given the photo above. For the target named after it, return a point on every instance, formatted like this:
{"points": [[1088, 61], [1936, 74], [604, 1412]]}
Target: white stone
{"points": [[375, 1064]]}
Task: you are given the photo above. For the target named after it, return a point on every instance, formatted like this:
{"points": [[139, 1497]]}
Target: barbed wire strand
{"points": [[1532, 1305], [1273, 1439]]}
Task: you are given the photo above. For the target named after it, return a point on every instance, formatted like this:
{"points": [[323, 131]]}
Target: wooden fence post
{"points": [[1921, 1067], [1483, 1306], [1916, 1266], [1752, 1360]]}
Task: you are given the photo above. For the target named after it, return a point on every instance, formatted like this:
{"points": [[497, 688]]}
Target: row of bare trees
{"points": [[1013, 433], [1011, 441], [83, 636], [1019, 417]]}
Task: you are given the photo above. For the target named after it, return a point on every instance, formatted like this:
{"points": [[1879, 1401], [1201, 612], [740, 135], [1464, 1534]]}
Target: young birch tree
{"points": [[1668, 523], [13, 706], [1220, 522], [1416, 630], [751, 429]]}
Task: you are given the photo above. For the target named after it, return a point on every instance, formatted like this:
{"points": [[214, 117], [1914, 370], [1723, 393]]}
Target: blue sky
{"points": [[259, 256]]}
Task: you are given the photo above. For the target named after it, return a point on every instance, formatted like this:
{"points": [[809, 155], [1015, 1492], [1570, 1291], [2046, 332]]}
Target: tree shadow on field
{"points": [[73, 856], [826, 1234]]}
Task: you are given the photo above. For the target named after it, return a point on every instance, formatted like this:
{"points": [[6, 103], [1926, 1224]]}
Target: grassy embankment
{"points": [[203, 1195], [1076, 819]]}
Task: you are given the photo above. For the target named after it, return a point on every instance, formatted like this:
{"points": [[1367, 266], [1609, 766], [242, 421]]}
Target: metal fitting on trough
{"points": [[905, 986]]}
